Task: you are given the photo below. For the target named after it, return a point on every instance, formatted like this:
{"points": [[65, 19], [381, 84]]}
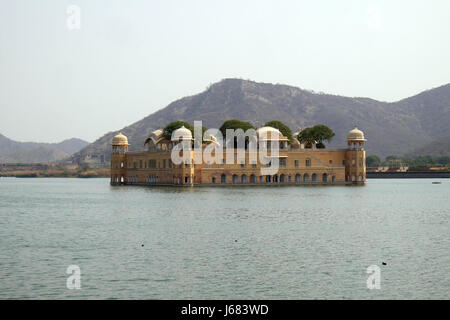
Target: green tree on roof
{"points": [[315, 135], [235, 124], [284, 129], [171, 127]]}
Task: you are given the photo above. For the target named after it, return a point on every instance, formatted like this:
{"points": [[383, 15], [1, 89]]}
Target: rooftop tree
{"points": [[171, 127], [284, 129], [316, 135], [235, 124]]}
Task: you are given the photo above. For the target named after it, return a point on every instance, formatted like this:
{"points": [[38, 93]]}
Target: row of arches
{"points": [[237, 179], [155, 179], [354, 178], [282, 178], [117, 179]]}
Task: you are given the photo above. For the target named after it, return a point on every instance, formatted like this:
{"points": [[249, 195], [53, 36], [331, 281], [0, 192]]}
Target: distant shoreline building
{"points": [[297, 165]]}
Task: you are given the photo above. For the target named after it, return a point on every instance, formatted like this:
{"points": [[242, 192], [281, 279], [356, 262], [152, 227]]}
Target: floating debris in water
{"points": [[436, 182]]}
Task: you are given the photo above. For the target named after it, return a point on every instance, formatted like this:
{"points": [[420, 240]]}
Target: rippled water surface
{"points": [[224, 243]]}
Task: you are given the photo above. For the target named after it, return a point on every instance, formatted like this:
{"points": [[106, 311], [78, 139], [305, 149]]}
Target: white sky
{"points": [[131, 58]]}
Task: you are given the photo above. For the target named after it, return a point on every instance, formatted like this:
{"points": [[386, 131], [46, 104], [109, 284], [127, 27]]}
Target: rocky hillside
{"points": [[391, 128], [436, 148], [34, 152]]}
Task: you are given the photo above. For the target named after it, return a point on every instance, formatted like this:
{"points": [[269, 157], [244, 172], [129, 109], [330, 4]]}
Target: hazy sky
{"points": [[131, 58]]}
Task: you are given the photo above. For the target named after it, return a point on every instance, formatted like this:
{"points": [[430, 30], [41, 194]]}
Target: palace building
{"points": [[298, 165]]}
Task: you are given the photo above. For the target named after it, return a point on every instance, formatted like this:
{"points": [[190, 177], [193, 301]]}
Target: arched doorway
{"points": [[306, 177], [282, 178], [324, 177], [244, 178], [252, 178], [298, 178], [223, 178], [314, 177], [235, 178]]}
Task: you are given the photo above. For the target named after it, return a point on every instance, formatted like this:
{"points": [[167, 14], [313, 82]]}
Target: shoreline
{"points": [[408, 175]]}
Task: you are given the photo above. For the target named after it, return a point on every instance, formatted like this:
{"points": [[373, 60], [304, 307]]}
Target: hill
{"points": [[437, 148], [391, 128], [34, 152]]}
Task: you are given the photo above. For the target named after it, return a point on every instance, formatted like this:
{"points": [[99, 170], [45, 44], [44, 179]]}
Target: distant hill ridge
{"points": [[34, 152], [391, 128]]}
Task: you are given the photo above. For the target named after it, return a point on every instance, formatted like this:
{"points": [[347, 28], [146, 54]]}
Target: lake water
{"points": [[224, 243]]}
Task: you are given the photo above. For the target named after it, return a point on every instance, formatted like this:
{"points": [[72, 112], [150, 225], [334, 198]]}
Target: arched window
{"points": [[324, 177], [223, 178], [306, 177], [235, 178], [244, 178], [252, 178], [298, 178], [282, 178], [314, 177]]}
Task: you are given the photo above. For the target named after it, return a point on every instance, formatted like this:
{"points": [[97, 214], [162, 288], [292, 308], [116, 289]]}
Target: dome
{"points": [[270, 133], [120, 139], [264, 130], [182, 133], [356, 134]]}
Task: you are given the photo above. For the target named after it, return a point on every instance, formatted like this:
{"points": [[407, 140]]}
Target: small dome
{"points": [[120, 139], [182, 133], [356, 135]]}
